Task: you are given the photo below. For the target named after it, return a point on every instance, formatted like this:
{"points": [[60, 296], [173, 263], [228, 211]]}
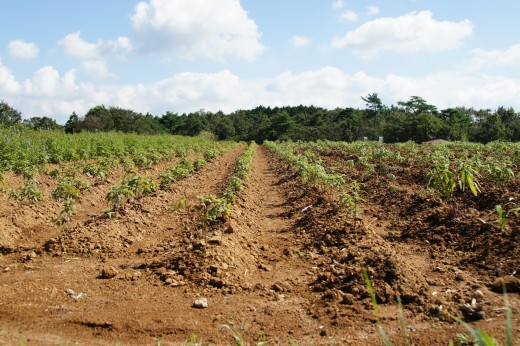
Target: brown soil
{"points": [[285, 267]]}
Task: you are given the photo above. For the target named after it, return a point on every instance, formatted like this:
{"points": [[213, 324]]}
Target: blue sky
{"points": [[62, 56]]}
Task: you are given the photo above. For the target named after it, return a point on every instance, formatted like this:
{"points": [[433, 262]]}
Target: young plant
{"points": [[134, 186], [68, 190], [443, 180], [215, 208], [29, 191], [502, 214]]}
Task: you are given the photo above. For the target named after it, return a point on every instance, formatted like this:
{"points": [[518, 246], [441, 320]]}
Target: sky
{"points": [[154, 56]]}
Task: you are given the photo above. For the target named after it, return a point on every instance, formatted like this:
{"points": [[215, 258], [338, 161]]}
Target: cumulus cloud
{"points": [[330, 87], [412, 32], [338, 4], [372, 10], [74, 46], [327, 87], [487, 58], [19, 49], [96, 69], [349, 16], [196, 28], [8, 83], [300, 41], [50, 93], [186, 92]]}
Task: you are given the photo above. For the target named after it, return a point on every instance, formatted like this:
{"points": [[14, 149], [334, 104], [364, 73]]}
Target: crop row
{"points": [[447, 167], [26, 152], [221, 207], [337, 187]]}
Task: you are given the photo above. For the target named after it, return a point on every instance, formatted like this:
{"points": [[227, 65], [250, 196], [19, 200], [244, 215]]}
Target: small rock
{"points": [[277, 288], [73, 294], [215, 241], [108, 272], [200, 303], [478, 295], [174, 283], [264, 267]]}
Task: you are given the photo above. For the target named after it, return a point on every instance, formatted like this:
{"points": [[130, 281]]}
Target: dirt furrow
{"points": [[147, 221]]}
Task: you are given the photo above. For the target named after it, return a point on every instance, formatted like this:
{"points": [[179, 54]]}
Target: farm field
{"points": [[111, 239]]}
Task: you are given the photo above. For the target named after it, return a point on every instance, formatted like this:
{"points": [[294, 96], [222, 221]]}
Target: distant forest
{"points": [[412, 120]]}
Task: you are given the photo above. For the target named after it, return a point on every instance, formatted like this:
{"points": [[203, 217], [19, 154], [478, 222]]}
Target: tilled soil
{"points": [[286, 267]]}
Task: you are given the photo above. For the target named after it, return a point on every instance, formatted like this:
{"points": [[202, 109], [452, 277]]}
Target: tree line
{"points": [[411, 120]]}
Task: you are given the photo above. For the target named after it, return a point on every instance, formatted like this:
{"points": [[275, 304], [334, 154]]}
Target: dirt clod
{"points": [[511, 283], [108, 272]]}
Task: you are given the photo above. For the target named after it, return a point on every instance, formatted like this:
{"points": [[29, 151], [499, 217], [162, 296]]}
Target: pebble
{"points": [[200, 303]]}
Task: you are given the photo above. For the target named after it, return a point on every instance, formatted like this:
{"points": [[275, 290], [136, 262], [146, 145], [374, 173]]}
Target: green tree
{"points": [[98, 118], [374, 106], [41, 123], [416, 106], [457, 124], [73, 124], [421, 121], [488, 127], [8, 115]]}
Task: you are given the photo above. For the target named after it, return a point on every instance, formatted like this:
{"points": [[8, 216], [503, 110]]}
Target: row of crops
{"points": [[76, 163], [450, 171]]}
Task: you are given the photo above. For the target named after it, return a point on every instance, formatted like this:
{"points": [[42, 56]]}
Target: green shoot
{"points": [[376, 306]]}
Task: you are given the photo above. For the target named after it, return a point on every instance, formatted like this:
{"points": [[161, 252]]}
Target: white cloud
{"points": [[349, 16], [338, 4], [19, 49], [184, 92], [372, 10], [49, 93], [300, 41], [412, 32], [96, 69], [8, 83], [196, 28], [73, 45], [487, 58], [327, 87], [331, 87]]}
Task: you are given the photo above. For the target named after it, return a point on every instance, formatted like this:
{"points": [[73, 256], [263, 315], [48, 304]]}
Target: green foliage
{"points": [[96, 170], [443, 180], [68, 190], [332, 185], [8, 115], [41, 123], [220, 208], [180, 170], [503, 213], [134, 186], [215, 208], [446, 179], [30, 191], [199, 163]]}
